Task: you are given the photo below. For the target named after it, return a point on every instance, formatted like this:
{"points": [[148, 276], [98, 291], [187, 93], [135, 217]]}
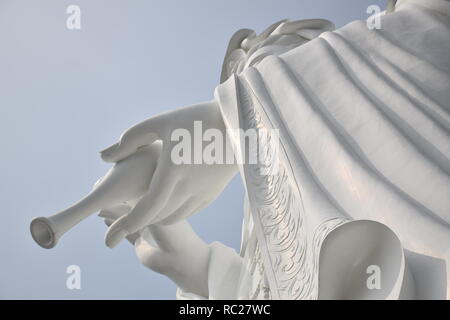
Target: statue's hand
{"points": [[178, 253], [176, 191], [174, 251]]}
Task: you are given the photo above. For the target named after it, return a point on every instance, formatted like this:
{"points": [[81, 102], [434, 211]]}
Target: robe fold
{"points": [[363, 118]]}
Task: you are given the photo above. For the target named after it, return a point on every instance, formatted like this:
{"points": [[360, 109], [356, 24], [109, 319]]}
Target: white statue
{"points": [[355, 200]]}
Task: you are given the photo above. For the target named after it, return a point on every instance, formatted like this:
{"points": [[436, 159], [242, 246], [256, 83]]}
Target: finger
{"points": [[115, 212], [161, 189], [127, 146], [182, 212], [116, 232], [180, 196], [146, 209], [131, 238], [106, 153], [144, 133]]}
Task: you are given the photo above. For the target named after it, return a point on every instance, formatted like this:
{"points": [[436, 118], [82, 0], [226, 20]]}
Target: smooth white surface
{"points": [[377, 101], [363, 118]]}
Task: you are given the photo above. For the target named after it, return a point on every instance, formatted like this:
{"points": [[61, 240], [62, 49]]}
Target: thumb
{"points": [[151, 257], [144, 133], [109, 152], [128, 144]]}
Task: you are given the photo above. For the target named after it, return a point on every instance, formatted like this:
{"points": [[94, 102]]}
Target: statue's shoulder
{"points": [[246, 48]]}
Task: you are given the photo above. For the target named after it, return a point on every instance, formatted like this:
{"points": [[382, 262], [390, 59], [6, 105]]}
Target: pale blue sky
{"points": [[65, 95]]}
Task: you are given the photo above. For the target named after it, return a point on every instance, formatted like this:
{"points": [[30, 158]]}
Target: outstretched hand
{"points": [[176, 191]]}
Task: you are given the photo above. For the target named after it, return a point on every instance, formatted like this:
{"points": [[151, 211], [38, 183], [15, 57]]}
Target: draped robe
{"points": [[364, 130]]}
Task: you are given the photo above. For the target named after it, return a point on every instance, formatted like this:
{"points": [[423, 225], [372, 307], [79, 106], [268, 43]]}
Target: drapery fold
{"points": [[364, 130]]}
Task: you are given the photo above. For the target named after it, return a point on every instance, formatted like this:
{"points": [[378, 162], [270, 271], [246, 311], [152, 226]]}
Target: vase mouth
{"points": [[42, 232], [354, 251]]}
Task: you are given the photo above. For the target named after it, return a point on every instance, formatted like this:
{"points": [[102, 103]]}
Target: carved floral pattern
{"points": [[291, 260]]}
